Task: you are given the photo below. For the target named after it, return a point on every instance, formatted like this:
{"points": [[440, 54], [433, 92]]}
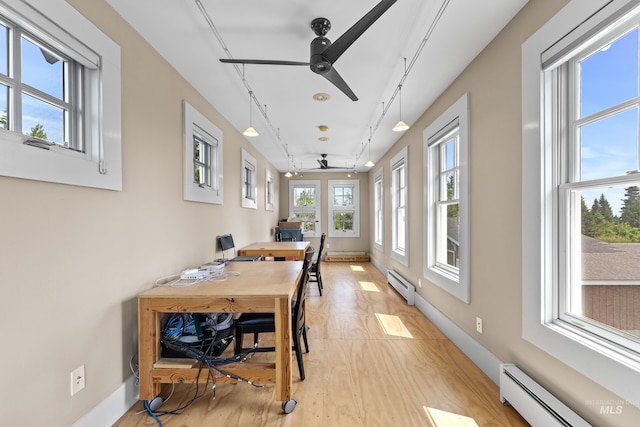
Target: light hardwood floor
{"points": [[373, 361]]}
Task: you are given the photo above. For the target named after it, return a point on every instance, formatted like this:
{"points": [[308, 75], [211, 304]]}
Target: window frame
{"points": [[401, 159], [248, 180], [456, 281], [594, 359], [195, 124], [61, 28], [315, 209], [378, 209], [354, 209], [269, 191]]}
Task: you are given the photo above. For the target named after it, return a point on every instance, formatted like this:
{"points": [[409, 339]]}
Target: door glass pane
{"points": [[42, 69], [42, 120], [610, 75], [609, 147]]}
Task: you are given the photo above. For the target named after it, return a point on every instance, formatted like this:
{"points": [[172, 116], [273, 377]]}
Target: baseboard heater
{"points": [[402, 285], [533, 402]]}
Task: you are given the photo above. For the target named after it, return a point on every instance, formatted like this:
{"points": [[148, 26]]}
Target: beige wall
{"points": [[494, 85], [74, 259]]}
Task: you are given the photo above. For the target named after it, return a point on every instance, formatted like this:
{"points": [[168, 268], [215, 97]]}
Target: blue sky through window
{"points": [[609, 147]]}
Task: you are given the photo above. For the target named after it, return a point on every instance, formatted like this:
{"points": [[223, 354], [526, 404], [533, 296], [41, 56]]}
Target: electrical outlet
{"points": [[479, 325], [327, 246], [77, 380]]}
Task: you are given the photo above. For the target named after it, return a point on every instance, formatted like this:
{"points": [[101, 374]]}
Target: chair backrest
{"points": [[322, 237], [301, 295]]}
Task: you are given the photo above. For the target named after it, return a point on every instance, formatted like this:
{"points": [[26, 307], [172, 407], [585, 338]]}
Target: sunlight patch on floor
{"points": [[357, 268], [368, 286], [441, 418], [392, 325]]}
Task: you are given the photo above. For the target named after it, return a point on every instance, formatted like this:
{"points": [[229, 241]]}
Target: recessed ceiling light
{"points": [[323, 138], [323, 128], [321, 97]]}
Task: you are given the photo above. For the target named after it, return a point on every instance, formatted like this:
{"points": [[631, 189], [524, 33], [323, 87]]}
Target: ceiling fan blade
{"points": [[261, 62], [333, 76], [337, 48]]}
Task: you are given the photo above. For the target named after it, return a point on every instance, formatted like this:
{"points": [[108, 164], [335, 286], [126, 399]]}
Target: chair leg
{"points": [[304, 337], [296, 343], [320, 281]]}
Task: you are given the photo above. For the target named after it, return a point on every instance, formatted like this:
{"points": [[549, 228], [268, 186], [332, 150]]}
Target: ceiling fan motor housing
{"points": [[318, 63]]}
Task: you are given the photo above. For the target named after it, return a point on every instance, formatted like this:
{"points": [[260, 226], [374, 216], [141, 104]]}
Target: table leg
{"points": [[148, 348], [284, 376]]}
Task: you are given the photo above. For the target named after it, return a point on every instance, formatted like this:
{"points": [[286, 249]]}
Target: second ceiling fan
{"points": [[324, 53]]}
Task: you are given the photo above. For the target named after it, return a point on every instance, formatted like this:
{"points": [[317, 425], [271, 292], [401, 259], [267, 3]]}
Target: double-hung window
{"points": [[59, 97], [446, 200], [202, 158], [304, 205], [378, 209], [249, 188], [399, 223], [344, 208], [269, 190], [581, 191]]}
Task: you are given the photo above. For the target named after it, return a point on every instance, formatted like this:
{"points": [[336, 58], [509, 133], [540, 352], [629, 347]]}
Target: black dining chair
{"points": [[257, 323], [314, 270]]}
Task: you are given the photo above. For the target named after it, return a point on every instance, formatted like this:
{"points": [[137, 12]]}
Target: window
{"points": [[269, 195], [344, 208], [447, 200], [580, 187], [202, 158], [249, 191], [378, 208], [59, 97], [399, 223], [304, 204]]}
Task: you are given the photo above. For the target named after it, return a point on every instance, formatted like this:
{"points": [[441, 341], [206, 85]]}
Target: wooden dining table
{"points": [[288, 250], [259, 287]]}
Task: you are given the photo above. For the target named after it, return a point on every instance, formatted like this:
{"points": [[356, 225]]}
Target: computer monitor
{"points": [[226, 242]]}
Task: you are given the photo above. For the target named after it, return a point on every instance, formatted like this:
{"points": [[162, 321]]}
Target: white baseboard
{"points": [[113, 407], [480, 356]]}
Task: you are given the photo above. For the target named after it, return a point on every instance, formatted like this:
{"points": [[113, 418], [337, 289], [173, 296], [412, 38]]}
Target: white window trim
{"points": [[269, 197], [378, 177], [456, 284], [101, 166], [307, 183], [331, 208], [194, 121], [399, 158], [249, 199], [619, 375]]}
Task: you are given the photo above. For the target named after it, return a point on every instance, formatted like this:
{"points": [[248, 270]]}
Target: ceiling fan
{"points": [[324, 164], [323, 52]]}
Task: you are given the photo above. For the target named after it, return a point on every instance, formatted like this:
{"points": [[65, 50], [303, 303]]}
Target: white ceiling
{"points": [[438, 38]]}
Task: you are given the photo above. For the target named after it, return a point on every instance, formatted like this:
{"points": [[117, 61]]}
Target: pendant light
{"points": [[250, 131], [401, 126], [369, 163], [288, 174]]}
